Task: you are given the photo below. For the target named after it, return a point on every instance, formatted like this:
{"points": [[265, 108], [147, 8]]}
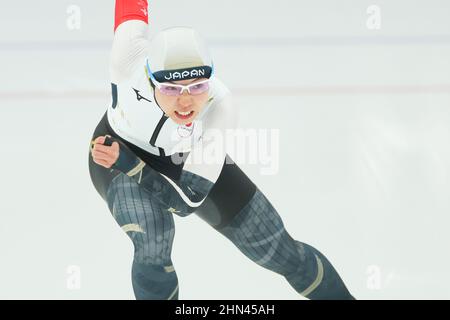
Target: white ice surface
{"points": [[364, 153]]}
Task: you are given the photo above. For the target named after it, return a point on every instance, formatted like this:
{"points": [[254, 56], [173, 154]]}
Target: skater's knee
{"points": [[154, 281]]}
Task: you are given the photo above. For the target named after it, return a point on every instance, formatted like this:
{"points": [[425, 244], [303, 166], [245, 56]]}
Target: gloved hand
{"points": [[113, 153]]}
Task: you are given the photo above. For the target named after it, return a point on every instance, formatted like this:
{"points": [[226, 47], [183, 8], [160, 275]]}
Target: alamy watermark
{"points": [[250, 146], [376, 279], [73, 280], [374, 19], [73, 21]]}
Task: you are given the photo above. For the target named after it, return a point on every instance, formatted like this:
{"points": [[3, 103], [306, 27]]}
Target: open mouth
{"points": [[184, 115]]}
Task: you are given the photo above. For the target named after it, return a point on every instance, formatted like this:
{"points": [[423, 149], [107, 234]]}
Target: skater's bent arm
{"points": [[204, 164], [130, 41], [218, 123], [205, 160]]}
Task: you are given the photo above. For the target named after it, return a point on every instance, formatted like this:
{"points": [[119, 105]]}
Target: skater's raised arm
{"points": [[130, 42]]}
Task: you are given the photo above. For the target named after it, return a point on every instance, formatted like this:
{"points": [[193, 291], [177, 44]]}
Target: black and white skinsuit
{"points": [[146, 186]]}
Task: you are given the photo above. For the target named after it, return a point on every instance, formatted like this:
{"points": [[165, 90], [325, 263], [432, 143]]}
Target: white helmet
{"points": [[178, 53]]}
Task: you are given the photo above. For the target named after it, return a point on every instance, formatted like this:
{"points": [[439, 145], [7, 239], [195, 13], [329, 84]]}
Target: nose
{"points": [[185, 99]]}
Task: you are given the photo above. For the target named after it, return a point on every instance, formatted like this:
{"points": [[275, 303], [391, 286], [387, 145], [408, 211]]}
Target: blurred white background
{"points": [[362, 106]]}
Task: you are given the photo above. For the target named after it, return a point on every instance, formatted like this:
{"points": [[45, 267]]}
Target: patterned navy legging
{"points": [[257, 231]]}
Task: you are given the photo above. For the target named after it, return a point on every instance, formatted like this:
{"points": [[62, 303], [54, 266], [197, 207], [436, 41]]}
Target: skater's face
{"points": [[185, 107]]}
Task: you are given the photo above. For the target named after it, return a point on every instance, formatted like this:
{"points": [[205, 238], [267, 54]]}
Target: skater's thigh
{"points": [[130, 203], [149, 225], [231, 192], [259, 232]]}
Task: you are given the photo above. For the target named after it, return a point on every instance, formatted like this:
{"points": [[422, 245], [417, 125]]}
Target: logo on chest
{"points": [[185, 131]]}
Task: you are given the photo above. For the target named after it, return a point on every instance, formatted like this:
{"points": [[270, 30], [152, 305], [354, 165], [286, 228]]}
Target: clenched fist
{"points": [[103, 154]]}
